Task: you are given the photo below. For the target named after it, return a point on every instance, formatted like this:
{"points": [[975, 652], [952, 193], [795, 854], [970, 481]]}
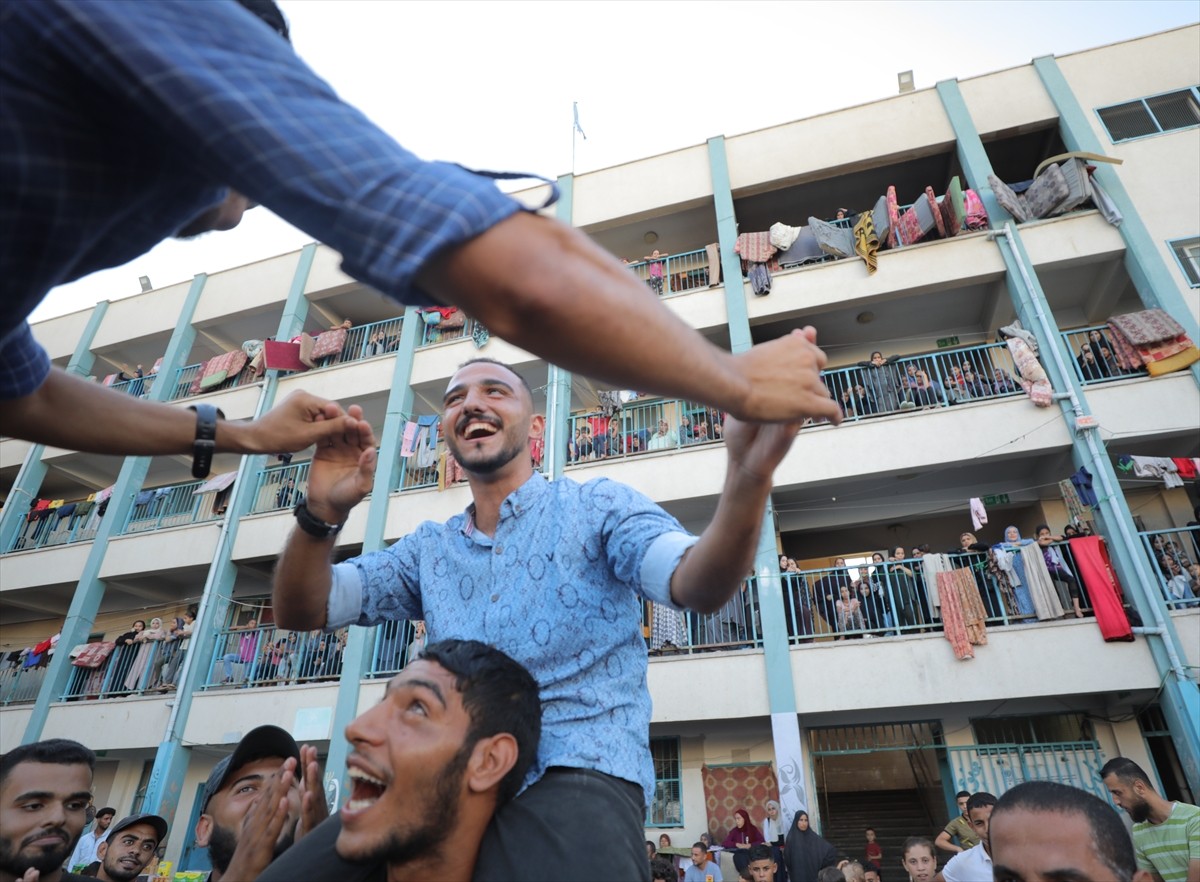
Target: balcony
{"points": [[175, 506], [671, 274], [71, 522], [641, 426], [1095, 360], [264, 655], [1175, 559], [280, 487], [19, 684]]}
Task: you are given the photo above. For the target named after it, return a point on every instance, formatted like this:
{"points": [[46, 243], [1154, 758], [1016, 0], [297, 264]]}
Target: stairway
{"points": [[895, 815]]}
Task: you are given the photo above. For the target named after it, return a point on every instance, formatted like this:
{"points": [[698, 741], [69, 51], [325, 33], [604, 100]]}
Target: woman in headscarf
{"points": [[1008, 557], [147, 639], [741, 837], [805, 852], [773, 832]]}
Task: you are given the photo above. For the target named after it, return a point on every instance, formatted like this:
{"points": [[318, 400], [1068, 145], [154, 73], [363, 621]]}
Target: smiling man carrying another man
{"points": [[553, 574]]}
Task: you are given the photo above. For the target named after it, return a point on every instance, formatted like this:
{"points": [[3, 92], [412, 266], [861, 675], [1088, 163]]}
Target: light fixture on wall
{"points": [[144, 281], [865, 318], [650, 238], [905, 79]]}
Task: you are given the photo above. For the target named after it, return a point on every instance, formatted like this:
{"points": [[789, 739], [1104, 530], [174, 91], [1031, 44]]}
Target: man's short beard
{"points": [[44, 861], [493, 464], [440, 807], [1139, 811], [115, 872], [222, 843]]}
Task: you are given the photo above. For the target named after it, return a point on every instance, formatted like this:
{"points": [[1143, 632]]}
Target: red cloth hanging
{"points": [[1095, 568]]}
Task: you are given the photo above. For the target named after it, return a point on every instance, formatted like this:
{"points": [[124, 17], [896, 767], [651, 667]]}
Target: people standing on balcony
{"points": [[286, 493], [975, 385], [246, 653], [1003, 383], [972, 554], [1057, 567], [655, 264], [542, 569], [417, 645], [856, 402], [147, 641], [274, 133], [127, 649], [664, 438], [795, 588], [926, 393], [879, 376], [828, 589], [849, 613], [1091, 366], [904, 590], [1008, 558], [876, 604]]}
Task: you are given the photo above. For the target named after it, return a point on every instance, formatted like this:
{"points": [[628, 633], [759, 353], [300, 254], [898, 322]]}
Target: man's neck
{"points": [[489, 493], [450, 865], [1160, 810]]}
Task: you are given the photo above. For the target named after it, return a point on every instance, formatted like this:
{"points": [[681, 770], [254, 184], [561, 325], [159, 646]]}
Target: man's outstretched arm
{"points": [[552, 291], [339, 477], [67, 411]]}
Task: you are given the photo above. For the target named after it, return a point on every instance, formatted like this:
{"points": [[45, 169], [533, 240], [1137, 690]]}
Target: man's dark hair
{"points": [[270, 13], [662, 869], [961, 794], [508, 367], [1113, 845], [701, 846], [1127, 770], [831, 874], [55, 751], [760, 852], [107, 810], [1041, 527], [982, 799], [869, 830], [499, 695], [871, 866]]}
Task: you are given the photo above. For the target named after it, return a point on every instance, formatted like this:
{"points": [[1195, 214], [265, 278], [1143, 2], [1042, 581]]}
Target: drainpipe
{"points": [[1089, 437]]}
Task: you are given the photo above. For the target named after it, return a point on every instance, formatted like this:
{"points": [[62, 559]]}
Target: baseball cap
{"points": [[159, 825], [256, 744]]}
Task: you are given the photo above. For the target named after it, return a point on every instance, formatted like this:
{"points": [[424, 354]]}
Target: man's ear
{"points": [[537, 426], [491, 760], [102, 850], [204, 825]]}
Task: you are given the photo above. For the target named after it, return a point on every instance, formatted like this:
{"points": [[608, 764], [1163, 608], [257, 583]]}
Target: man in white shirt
{"points": [[85, 851], [974, 864]]}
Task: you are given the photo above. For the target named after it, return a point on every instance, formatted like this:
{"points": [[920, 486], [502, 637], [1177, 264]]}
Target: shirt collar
{"points": [[515, 504]]}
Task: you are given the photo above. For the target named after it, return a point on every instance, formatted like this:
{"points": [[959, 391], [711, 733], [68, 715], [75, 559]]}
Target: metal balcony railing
{"points": [[171, 506], [642, 427], [280, 487], [1175, 561], [1093, 357], [736, 625], [20, 685], [674, 273], [269, 656], [58, 528]]}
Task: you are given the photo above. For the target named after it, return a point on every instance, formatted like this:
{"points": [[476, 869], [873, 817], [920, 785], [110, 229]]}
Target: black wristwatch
{"points": [[205, 444], [313, 525]]}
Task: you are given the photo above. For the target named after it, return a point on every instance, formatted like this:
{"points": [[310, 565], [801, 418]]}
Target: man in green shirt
{"points": [[959, 827], [1166, 835]]}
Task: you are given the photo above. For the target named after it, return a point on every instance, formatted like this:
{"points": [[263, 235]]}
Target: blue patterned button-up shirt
{"points": [[123, 120], [557, 589]]}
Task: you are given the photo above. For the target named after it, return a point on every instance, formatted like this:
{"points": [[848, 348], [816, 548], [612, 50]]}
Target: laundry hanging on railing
{"points": [[215, 483]]}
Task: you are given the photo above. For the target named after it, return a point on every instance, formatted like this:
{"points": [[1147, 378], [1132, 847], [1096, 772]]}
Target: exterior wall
{"points": [[59, 335], [144, 315], [1008, 100], [645, 187], [246, 289]]}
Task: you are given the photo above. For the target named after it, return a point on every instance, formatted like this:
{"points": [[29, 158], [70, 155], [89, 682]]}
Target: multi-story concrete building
{"points": [[765, 694]]}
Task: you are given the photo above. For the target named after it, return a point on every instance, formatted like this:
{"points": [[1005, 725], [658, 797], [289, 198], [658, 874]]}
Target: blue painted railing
{"points": [[54, 530], [1175, 558], [675, 273], [280, 487], [171, 506], [641, 426], [268, 656], [1093, 357]]}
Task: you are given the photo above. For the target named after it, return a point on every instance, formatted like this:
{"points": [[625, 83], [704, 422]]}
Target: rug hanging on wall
{"points": [[729, 788]]}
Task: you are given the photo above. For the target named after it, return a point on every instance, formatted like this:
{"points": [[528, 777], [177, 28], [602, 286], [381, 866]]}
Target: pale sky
{"points": [[491, 85]]}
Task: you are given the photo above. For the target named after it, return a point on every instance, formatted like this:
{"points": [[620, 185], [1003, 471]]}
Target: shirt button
{"points": [[499, 549], [495, 597]]}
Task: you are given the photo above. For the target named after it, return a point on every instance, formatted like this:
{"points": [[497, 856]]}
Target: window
{"points": [[1150, 116], [1187, 252], [1039, 729], [666, 809]]}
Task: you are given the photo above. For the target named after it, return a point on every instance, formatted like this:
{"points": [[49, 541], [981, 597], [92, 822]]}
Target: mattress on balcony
{"points": [[954, 211], [918, 221], [882, 220], [893, 212], [1079, 187], [936, 211], [1009, 201], [834, 240], [1046, 194], [804, 249]]}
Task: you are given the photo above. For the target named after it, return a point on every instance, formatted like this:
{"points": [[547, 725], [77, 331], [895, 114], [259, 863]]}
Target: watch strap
{"points": [[312, 525], [205, 444]]}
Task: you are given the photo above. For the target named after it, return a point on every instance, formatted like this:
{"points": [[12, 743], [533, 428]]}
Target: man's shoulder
{"points": [[1182, 814]]}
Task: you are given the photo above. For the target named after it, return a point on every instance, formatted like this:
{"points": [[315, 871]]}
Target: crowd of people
{"points": [[1038, 831]]}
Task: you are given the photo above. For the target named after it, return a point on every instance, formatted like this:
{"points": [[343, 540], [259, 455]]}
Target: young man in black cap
{"points": [[130, 847], [236, 783]]}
